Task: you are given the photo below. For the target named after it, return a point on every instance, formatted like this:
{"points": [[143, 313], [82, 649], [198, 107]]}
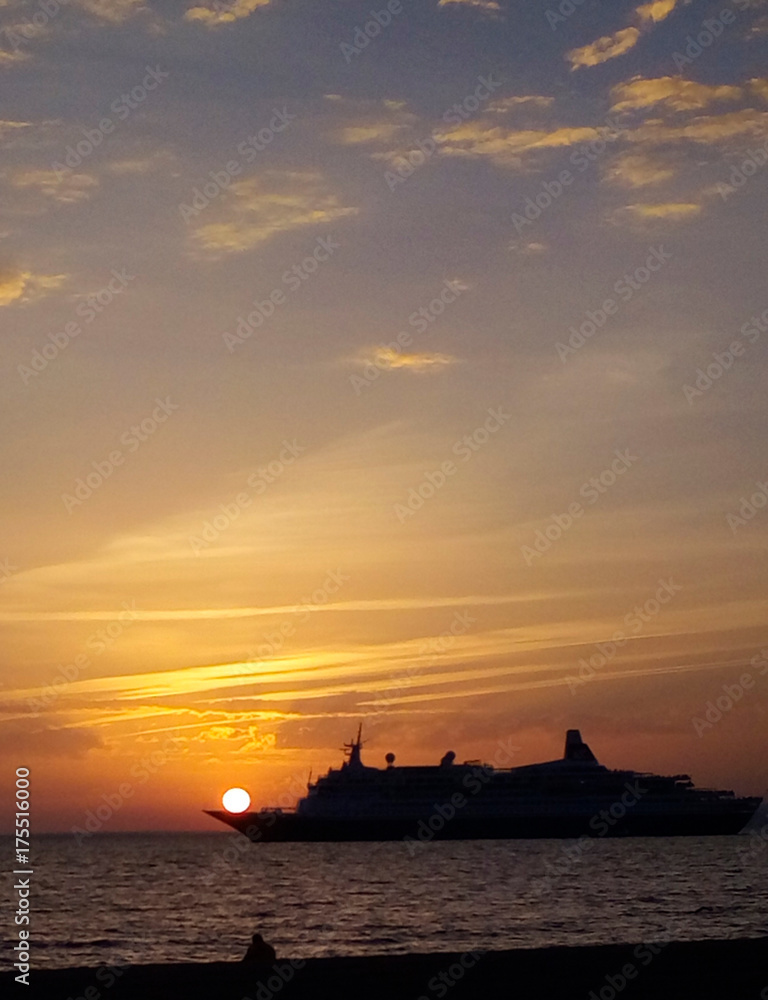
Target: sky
{"points": [[402, 364]]}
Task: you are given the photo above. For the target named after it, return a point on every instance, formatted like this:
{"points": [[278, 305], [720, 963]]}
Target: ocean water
{"points": [[139, 898]]}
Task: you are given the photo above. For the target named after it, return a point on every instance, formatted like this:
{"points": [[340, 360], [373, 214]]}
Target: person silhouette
{"points": [[259, 950]]}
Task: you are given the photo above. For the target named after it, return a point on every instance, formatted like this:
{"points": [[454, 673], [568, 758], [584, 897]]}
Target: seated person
{"points": [[259, 950]]}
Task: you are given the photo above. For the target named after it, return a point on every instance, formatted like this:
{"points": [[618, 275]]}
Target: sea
{"points": [[122, 899]]}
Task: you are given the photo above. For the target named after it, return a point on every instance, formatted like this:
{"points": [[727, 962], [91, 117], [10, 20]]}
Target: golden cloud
{"points": [[664, 211], [655, 11], [6, 126], [363, 134], [635, 170], [711, 129], [672, 91], [212, 17], [605, 48], [506, 146], [388, 359], [22, 287], [506, 104], [65, 188], [9, 58], [112, 11], [266, 205]]}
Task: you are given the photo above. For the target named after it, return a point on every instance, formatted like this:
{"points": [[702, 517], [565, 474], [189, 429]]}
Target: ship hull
{"points": [[286, 827]]}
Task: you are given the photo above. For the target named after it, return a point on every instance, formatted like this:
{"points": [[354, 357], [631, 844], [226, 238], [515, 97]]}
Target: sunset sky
{"points": [[378, 370]]}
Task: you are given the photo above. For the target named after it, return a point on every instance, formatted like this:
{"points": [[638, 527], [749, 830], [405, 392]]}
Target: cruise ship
{"points": [[573, 796]]}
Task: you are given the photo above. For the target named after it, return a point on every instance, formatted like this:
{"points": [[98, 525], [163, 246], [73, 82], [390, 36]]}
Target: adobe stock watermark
{"points": [[709, 31], [625, 289], [275, 639], [601, 824], [384, 698], [583, 156], [363, 34], [615, 983], [220, 180], [97, 643], [748, 508], [754, 160], [723, 361], [465, 448], [406, 165], [257, 482], [566, 9], [89, 309], [591, 491], [34, 26], [440, 984], [102, 469], [112, 802], [122, 108], [293, 278], [719, 706], [473, 782], [420, 319], [635, 621], [7, 570]]}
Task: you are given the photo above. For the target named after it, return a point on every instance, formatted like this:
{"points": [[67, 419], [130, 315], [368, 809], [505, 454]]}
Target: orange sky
{"points": [[398, 421]]}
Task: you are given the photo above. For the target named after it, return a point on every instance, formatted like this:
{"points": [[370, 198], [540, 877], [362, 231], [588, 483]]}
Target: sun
{"points": [[235, 800]]}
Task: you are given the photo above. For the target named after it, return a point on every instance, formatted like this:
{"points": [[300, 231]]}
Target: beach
{"points": [[704, 970]]}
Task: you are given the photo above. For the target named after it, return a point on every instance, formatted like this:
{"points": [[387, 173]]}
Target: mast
{"points": [[353, 749]]}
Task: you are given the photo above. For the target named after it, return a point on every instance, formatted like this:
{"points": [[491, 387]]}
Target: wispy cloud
{"points": [[264, 206], [485, 6], [19, 287], [662, 211], [603, 49], [671, 91], [220, 13], [636, 170], [64, 188], [388, 359]]}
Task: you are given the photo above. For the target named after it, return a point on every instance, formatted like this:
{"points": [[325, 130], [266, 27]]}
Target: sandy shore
{"points": [[699, 970]]}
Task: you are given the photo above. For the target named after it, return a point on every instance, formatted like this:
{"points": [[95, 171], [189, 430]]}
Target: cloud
{"points": [[506, 146], [611, 46], [635, 170], [655, 11], [64, 188], [376, 132], [11, 58], [486, 6], [605, 48], [141, 164], [708, 129], [505, 104], [672, 91], [266, 205], [664, 211], [388, 359], [22, 287], [112, 11], [6, 126], [213, 17]]}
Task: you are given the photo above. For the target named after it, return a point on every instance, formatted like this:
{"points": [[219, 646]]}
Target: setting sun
{"points": [[236, 800]]}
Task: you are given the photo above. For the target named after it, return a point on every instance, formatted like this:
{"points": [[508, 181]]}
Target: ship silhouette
{"points": [[572, 796]]}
